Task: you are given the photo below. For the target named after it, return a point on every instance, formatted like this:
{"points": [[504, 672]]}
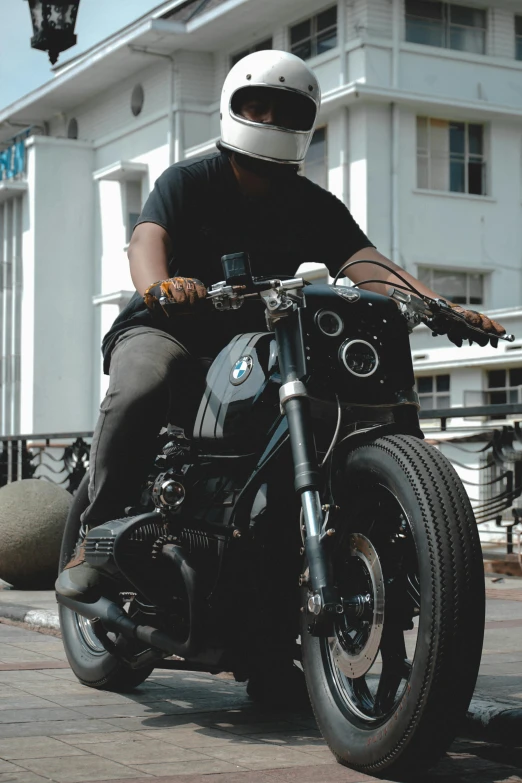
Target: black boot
{"points": [[79, 580]]}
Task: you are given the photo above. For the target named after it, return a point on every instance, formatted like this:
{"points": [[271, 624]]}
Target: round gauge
{"points": [[359, 357], [329, 323]]}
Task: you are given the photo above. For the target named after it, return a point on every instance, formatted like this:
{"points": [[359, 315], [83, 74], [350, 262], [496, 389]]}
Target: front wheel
{"points": [[87, 656], [390, 688]]}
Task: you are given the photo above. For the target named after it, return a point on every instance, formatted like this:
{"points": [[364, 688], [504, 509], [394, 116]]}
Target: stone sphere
{"points": [[32, 519]]}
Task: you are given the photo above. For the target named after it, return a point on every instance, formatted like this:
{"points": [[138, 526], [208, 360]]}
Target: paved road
{"points": [[191, 728], [195, 728]]}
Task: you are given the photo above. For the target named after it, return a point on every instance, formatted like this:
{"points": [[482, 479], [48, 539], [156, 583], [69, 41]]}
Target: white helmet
{"points": [[295, 82]]}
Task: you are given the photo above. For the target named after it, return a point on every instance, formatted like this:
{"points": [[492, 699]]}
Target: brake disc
{"points": [[356, 644]]}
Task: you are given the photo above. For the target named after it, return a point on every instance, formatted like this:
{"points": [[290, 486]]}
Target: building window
{"points": [[451, 156], [315, 35], [464, 288], [315, 166], [504, 386], [132, 206], [137, 99], [447, 25], [434, 391], [266, 44], [518, 37], [72, 128]]}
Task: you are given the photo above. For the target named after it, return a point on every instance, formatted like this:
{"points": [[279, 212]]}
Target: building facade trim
{"points": [[358, 92], [453, 194], [10, 189], [58, 141], [121, 171]]}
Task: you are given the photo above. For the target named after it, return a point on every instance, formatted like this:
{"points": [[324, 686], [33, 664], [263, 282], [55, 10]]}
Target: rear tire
{"points": [[403, 501], [91, 663]]}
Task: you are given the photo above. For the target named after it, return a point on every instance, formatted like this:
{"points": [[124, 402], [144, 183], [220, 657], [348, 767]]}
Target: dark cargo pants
{"points": [[153, 380]]}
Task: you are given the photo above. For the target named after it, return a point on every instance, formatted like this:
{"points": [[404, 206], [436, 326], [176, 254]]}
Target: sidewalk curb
{"points": [[494, 721], [37, 618]]}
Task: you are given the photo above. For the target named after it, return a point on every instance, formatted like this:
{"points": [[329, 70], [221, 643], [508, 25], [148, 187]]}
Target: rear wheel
{"points": [[391, 686], [87, 656]]}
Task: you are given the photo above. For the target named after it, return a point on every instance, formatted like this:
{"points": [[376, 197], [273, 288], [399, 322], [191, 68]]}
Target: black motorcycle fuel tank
{"points": [[241, 399], [357, 343]]}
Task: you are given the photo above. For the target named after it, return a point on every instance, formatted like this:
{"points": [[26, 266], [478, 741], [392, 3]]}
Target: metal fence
{"points": [[487, 454], [60, 458], [500, 395]]}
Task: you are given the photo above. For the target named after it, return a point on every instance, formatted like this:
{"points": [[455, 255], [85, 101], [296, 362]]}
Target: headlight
{"points": [[359, 357], [329, 323]]}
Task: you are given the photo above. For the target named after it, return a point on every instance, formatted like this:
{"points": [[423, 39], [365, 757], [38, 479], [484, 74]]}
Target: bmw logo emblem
{"points": [[241, 370]]}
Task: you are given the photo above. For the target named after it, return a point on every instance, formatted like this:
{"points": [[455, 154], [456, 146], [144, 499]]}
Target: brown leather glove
{"points": [[184, 292], [457, 332]]}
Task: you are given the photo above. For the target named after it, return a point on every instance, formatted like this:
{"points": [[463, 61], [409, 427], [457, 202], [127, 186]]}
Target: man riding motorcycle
{"points": [[247, 197]]}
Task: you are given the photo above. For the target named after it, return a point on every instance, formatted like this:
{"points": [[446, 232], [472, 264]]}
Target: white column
{"points": [[3, 295], [17, 288], [6, 320], [395, 133]]}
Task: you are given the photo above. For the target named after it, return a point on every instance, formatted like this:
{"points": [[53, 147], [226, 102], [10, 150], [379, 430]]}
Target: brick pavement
{"points": [[185, 727], [505, 595]]}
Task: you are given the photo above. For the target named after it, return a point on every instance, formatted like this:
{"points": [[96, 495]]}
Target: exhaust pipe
{"points": [[116, 620]]}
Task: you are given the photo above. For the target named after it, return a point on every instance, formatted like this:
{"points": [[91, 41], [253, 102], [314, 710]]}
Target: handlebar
{"points": [[275, 293], [280, 296]]}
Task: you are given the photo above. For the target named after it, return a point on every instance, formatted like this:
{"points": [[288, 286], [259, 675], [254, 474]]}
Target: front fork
{"points": [[324, 601]]}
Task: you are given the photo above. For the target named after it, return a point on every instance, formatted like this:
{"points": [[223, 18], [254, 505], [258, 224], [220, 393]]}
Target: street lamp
{"points": [[53, 25]]}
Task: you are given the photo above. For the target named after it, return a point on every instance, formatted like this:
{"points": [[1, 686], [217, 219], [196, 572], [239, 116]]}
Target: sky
{"points": [[23, 69]]}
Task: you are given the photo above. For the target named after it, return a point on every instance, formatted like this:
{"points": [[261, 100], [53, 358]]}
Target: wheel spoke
{"points": [[363, 694], [395, 668], [413, 590]]}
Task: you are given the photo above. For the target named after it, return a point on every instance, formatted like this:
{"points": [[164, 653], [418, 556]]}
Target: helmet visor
{"points": [[279, 107]]}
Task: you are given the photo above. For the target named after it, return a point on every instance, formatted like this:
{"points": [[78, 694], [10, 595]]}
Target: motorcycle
{"points": [[388, 594]]}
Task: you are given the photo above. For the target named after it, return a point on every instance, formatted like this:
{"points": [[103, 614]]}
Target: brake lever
{"points": [[426, 310], [412, 307], [226, 297], [443, 308]]}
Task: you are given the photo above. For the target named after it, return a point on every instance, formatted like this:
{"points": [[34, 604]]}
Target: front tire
{"points": [[390, 689], [91, 663]]}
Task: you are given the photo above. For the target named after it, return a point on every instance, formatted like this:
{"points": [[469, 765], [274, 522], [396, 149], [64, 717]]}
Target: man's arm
{"points": [[360, 272], [148, 253]]}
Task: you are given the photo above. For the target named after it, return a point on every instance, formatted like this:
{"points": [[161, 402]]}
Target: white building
{"points": [[420, 134]]}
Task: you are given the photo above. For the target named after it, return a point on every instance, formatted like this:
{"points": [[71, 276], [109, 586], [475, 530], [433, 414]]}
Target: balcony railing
{"points": [[501, 395]]}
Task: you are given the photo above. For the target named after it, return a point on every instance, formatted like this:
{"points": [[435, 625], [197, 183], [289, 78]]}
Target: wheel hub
{"points": [[356, 643], [88, 635]]}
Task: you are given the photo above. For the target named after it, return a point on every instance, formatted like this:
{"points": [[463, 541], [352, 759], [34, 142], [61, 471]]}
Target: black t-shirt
{"points": [[199, 204]]}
